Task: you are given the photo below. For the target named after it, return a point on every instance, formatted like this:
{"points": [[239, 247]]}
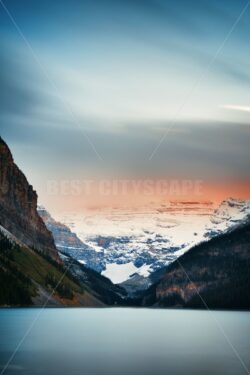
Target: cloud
{"points": [[241, 108], [126, 67]]}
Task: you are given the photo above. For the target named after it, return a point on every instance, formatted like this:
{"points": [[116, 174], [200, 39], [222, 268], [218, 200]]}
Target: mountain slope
{"points": [[18, 203], [29, 278], [100, 286], [214, 274]]}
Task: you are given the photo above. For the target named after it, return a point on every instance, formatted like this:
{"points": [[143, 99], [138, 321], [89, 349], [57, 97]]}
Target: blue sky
{"points": [[117, 73]]}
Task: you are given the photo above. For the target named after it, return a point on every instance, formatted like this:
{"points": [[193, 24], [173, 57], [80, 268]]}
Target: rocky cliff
{"points": [[18, 206], [69, 244]]}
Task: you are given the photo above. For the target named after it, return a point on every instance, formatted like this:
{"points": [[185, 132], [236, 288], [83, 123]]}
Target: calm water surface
{"points": [[124, 341]]}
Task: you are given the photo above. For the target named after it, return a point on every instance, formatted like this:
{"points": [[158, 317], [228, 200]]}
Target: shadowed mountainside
{"points": [[29, 277], [214, 274]]}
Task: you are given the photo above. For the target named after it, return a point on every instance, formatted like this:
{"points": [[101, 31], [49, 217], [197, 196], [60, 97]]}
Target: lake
{"points": [[119, 341]]}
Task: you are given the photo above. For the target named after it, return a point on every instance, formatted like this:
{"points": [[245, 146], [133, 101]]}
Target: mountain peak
{"points": [[231, 212], [232, 200], [234, 203], [5, 152]]}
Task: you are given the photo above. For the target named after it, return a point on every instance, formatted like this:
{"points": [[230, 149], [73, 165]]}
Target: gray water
{"points": [[124, 341]]}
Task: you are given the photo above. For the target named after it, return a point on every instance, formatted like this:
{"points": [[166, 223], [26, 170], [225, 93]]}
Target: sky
{"points": [[118, 88]]}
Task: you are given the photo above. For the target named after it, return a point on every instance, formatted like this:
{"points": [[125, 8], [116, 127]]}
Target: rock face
{"points": [[214, 274], [69, 244], [18, 206], [63, 236]]}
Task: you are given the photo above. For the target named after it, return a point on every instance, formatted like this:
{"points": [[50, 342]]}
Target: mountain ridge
{"points": [[213, 274]]}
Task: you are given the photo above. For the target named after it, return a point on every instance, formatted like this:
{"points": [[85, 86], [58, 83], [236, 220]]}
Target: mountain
{"points": [[18, 206], [71, 246], [230, 213], [32, 270], [129, 241], [29, 277], [204, 249], [128, 245], [214, 275]]}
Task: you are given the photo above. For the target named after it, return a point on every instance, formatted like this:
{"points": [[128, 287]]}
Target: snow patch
{"points": [[118, 273], [82, 261]]}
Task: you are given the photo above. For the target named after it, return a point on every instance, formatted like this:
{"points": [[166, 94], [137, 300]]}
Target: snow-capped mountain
{"points": [[230, 213], [129, 245], [140, 240]]}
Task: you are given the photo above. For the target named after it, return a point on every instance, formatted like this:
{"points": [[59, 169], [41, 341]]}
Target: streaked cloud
{"points": [[126, 67], [241, 108]]}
